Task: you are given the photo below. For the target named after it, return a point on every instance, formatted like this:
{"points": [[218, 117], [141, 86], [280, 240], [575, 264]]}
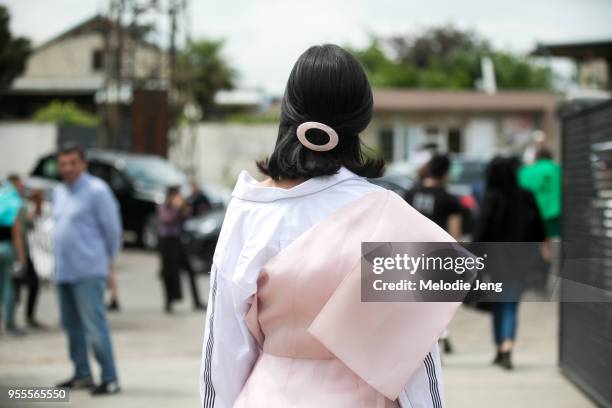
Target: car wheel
{"points": [[148, 235]]}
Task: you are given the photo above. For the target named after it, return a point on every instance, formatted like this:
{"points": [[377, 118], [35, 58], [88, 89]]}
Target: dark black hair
{"points": [[13, 178], [172, 190], [71, 149], [328, 85], [543, 153], [501, 176], [437, 167]]}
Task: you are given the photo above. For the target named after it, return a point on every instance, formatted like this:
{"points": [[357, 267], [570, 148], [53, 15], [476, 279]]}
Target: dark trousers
{"points": [[32, 283], [173, 260]]}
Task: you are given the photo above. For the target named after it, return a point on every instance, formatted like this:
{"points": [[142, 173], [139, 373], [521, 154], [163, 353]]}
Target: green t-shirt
{"points": [[543, 179]]}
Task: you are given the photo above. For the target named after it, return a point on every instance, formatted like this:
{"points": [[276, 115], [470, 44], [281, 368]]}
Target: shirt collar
{"points": [[247, 188], [78, 183]]}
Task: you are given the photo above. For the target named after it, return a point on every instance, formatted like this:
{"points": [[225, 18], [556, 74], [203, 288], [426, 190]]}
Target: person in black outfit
{"points": [[431, 199], [172, 213], [198, 201], [508, 214]]}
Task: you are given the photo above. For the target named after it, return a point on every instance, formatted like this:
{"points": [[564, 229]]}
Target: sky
{"points": [[265, 37]]}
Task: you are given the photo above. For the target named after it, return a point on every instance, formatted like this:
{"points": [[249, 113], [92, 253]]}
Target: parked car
{"points": [[400, 184], [200, 236], [467, 177], [139, 182]]}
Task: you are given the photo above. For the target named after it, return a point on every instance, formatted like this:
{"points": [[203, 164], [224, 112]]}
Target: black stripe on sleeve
{"points": [[433, 381], [209, 392]]}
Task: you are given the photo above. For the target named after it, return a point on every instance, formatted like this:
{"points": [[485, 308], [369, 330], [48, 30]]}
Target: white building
{"points": [[73, 66], [471, 123]]}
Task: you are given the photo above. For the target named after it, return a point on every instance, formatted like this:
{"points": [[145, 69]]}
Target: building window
{"points": [[432, 130], [97, 60], [385, 137], [454, 140]]}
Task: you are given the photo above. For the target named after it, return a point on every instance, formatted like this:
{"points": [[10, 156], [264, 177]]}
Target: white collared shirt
{"points": [[260, 221]]}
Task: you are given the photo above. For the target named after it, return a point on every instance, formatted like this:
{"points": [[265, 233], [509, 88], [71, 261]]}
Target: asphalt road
{"points": [[158, 355]]}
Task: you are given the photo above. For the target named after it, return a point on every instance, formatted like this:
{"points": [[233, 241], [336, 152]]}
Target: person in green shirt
{"points": [[543, 179]]}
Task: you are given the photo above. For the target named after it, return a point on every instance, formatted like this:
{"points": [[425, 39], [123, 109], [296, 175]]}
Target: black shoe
{"points": [[107, 388], [505, 361], [77, 384], [497, 358], [113, 306], [199, 306], [35, 324]]}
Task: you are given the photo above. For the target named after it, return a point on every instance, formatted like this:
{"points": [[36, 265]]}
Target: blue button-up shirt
{"points": [[87, 229]]}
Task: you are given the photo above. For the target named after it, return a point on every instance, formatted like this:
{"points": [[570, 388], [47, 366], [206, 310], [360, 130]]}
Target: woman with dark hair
{"points": [[285, 326], [509, 214]]}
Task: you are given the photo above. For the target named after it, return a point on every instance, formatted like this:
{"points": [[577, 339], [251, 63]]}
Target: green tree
{"points": [[14, 51], [66, 113], [202, 71], [446, 58]]}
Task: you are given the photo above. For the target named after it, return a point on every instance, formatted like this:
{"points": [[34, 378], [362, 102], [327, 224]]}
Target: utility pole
{"points": [[122, 71], [114, 43]]}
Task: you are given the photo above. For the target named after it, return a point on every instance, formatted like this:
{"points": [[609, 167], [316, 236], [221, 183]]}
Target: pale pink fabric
{"points": [[321, 346]]}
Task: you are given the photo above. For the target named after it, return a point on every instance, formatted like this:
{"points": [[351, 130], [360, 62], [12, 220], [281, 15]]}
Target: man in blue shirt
{"points": [[86, 238]]}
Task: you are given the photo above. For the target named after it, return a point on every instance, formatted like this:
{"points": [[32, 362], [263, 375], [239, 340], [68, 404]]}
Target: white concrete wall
{"points": [[481, 138], [22, 143], [221, 151]]}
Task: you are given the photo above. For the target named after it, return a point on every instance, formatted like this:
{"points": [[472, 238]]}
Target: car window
{"points": [[49, 169], [467, 172], [118, 182], [100, 170], [154, 172]]}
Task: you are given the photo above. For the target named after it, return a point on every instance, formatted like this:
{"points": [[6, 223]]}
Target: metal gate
{"points": [[586, 328]]}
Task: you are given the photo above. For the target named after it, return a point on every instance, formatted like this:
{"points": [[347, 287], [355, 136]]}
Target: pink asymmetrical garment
{"points": [[302, 337]]}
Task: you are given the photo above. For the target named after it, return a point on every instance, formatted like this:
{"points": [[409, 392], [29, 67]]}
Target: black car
{"points": [[139, 182], [399, 184], [200, 236]]}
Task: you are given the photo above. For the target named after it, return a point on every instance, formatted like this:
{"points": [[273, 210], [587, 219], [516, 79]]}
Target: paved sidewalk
{"points": [[159, 355]]}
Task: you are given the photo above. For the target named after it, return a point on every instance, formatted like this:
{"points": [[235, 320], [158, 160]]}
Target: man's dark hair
{"points": [[172, 190], [328, 85], [13, 178], [71, 149], [438, 166], [543, 153]]}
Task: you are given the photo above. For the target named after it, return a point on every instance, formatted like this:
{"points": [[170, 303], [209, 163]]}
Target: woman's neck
{"points": [[284, 184]]}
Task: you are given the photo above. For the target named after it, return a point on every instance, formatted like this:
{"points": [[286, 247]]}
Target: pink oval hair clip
{"points": [[331, 133]]}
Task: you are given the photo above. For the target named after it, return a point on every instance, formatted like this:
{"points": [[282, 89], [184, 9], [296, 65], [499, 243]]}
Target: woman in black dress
{"points": [[509, 214]]}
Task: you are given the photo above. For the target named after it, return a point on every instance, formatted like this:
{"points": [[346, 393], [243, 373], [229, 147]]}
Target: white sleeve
{"points": [[229, 350], [426, 389]]}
